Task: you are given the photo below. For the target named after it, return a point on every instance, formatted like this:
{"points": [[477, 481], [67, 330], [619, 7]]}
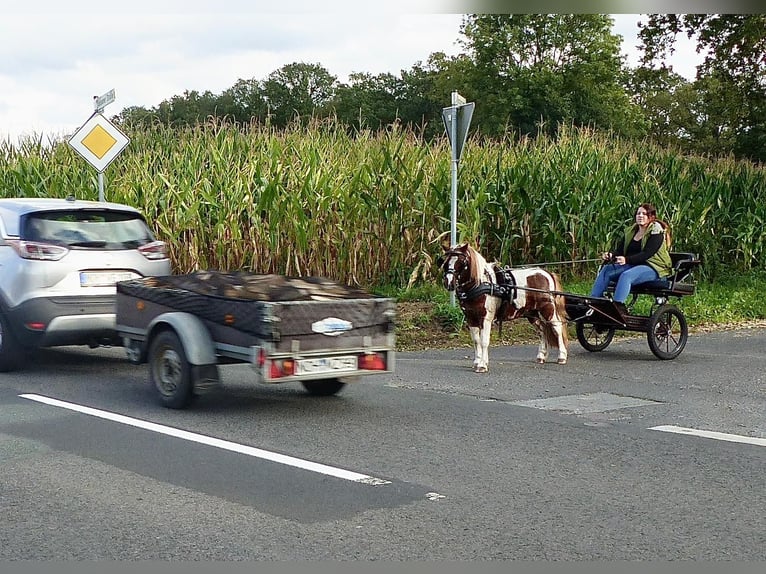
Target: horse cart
{"points": [[598, 318], [289, 329]]}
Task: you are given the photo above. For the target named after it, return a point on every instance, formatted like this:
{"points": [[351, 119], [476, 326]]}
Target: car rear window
{"points": [[87, 229]]}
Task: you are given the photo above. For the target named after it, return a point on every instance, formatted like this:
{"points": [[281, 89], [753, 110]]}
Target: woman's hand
{"points": [[611, 258]]}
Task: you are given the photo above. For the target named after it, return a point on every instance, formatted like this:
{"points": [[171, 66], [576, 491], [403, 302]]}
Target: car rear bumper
{"points": [[58, 321]]}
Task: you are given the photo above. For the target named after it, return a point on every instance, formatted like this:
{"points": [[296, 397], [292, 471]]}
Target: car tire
{"points": [[10, 350]]}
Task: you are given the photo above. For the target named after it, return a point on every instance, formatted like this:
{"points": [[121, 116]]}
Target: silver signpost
{"points": [[98, 140], [457, 119]]}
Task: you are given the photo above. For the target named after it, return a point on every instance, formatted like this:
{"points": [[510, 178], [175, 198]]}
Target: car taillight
{"points": [[372, 362], [154, 250], [38, 251]]}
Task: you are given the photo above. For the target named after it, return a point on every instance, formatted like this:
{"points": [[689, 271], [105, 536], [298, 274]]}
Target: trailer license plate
{"points": [[326, 365]]}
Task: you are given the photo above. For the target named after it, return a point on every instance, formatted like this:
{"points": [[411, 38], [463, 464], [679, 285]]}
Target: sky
{"points": [[55, 56]]}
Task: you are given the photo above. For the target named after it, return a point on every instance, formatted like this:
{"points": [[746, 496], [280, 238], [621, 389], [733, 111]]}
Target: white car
{"points": [[59, 262]]}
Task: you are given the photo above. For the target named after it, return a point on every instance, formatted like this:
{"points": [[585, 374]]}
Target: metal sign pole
{"points": [[453, 195], [101, 186], [99, 103], [456, 119]]}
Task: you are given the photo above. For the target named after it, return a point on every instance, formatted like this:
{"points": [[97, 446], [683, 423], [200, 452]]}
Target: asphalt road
{"points": [[434, 462]]}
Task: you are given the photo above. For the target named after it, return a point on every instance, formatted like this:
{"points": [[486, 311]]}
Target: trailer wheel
{"points": [[9, 348], [667, 332], [594, 337], [170, 371], [323, 387]]}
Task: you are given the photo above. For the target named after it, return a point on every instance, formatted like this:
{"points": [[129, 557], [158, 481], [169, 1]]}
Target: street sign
{"points": [[100, 102], [457, 99], [464, 114], [99, 141]]}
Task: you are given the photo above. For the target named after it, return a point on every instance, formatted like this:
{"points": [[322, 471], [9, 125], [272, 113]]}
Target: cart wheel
{"points": [[170, 371], [323, 387], [9, 348], [593, 337], [667, 332]]}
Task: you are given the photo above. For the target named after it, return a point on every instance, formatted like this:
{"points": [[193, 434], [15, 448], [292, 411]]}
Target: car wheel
{"points": [[10, 350]]}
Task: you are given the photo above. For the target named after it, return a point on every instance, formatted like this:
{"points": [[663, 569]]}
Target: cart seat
{"points": [[683, 266]]}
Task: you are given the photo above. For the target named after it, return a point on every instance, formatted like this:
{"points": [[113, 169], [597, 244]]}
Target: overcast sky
{"points": [[55, 56]]}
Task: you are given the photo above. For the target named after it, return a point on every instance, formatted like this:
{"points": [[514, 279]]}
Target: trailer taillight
{"points": [[281, 368], [372, 362]]}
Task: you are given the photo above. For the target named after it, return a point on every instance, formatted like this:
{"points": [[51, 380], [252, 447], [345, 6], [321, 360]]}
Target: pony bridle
{"points": [[451, 276]]}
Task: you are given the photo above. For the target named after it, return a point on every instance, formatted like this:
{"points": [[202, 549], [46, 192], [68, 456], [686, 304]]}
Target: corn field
{"points": [[372, 208]]}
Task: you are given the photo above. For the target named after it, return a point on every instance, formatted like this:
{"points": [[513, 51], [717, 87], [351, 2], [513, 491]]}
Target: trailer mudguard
{"points": [[195, 337]]}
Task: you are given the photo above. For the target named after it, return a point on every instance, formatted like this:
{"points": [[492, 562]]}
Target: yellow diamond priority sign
{"points": [[99, 141]]}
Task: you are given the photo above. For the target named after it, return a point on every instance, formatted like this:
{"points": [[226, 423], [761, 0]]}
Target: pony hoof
{"points": [[480, 370], [562, 361], [540, 361]]}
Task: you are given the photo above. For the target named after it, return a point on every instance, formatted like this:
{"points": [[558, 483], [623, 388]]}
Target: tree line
{"points": [[529, 74]]}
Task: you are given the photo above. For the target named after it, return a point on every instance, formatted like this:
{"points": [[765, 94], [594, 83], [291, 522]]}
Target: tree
{"points": [[247, 101], [536, 70], [731, 80], [135, 116], [666, 99], [367, 101], [297, 90]]}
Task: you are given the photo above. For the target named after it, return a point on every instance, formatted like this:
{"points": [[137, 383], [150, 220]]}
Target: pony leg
{"points": [[485, 334], [563, 344], [476, 338], [542, 348]]}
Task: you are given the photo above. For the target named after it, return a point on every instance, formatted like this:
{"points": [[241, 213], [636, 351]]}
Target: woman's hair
{"points": [[651, 212]]}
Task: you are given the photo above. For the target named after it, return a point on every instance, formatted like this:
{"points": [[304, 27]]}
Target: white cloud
{"points": [[54, 62], [56, 56]]}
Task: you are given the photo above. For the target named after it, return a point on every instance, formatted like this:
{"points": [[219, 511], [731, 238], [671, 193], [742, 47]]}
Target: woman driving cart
{"points": [[640, 255]]}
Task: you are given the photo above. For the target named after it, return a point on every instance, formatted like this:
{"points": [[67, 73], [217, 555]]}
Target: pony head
{"points": [[460, 264]]}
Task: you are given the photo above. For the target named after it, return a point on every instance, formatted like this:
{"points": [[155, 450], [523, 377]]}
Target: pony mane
{"points": [[478, 264]]}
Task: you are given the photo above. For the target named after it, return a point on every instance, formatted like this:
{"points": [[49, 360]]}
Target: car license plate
{"points": [[104, 278], [326, 365]]}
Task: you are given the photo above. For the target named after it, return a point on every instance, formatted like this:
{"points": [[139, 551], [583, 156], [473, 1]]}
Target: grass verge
{"points": [[426, 319]]}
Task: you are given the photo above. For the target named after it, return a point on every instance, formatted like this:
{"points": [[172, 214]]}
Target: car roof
{"points": [[12, 208]]}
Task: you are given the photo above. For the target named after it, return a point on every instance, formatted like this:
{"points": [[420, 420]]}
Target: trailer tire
{"points": [[323, 387], [170, 371]]}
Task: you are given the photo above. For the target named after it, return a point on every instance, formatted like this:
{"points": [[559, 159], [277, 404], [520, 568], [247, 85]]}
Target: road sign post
{"points": [[98, 140], [457, 119]]}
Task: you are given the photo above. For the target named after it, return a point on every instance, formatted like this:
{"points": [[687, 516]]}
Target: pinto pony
{"points": [[489, 294]]}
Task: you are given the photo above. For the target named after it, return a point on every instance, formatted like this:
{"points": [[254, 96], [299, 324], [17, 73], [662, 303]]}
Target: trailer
{"points": [[310, 330]]}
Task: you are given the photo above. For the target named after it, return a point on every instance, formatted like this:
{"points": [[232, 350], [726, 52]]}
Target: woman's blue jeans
{"points": [[626, 276]]}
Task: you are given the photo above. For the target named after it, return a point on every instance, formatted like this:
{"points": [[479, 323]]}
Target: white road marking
{"points": [[215, 442], [711, 434]]}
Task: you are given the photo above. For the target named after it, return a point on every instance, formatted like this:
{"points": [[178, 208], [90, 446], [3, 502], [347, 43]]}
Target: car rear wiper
{"points": [[88, 244]]}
